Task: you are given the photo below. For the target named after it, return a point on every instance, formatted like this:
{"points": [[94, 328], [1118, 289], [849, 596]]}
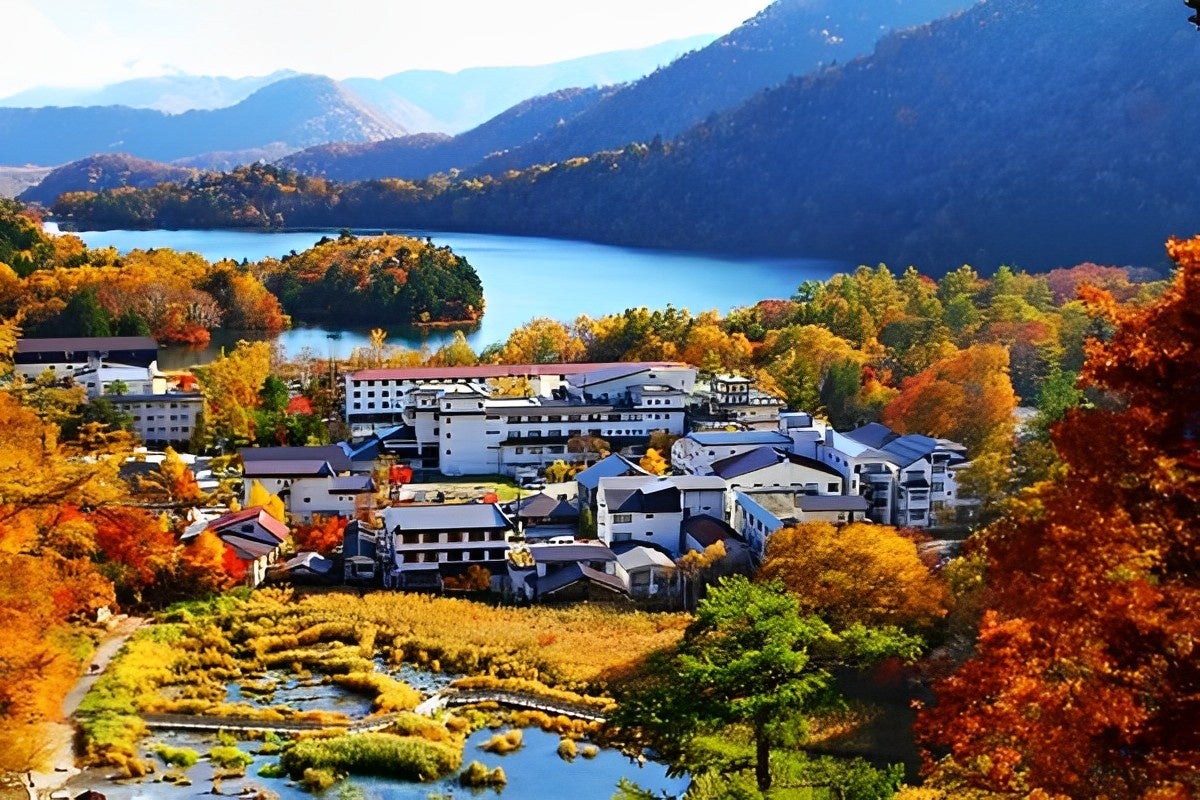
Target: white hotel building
{"points": [[459, 428]]}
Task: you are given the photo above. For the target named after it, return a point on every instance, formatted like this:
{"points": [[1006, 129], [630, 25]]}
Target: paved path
{"points": [[61, 759]]}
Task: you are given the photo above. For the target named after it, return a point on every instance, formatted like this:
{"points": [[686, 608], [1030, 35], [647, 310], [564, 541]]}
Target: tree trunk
{"points": [[762, 752]]}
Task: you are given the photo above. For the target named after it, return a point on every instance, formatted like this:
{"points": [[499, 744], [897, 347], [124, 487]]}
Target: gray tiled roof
{"points": [[453, 516], [332, 453]]}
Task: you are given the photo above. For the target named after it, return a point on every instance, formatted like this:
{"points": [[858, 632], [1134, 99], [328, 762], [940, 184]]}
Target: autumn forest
{"points": [[1059, 644]]}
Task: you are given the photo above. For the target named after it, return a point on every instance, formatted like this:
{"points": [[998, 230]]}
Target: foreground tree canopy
{"points": [[1085, 680]]}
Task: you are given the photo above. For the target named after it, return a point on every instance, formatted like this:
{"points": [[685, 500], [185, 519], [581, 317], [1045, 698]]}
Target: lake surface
{"points": [[523, 278], [535, 772]]}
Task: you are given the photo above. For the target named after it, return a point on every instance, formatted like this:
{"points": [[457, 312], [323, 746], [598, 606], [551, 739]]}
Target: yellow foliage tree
{"points": [[857, 573], [654, 463], [259, 496], [541, 341]]}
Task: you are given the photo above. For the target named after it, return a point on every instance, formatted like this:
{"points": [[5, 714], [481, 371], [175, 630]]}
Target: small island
{"points": [[381, 280]]}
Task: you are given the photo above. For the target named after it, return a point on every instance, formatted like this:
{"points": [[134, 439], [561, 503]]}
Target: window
{"points": [[619, 518], [832, 487], [939, 486], [520, 451]]}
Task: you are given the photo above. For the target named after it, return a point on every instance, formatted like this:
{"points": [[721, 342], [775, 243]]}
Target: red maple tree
{"points": [[1086, 681]]}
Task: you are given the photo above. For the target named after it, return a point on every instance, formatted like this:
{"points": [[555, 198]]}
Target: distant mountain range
{"points": [[294, 112], [417, 100], [790, 37], [171, 94], [1027, 132], [459, 101]]}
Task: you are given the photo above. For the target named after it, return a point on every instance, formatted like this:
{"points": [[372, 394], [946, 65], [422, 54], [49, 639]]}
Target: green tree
{"points": [[749, 658]]}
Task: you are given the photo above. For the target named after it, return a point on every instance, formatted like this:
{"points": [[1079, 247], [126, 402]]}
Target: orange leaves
{"points": [[321, 535], [967, 397], [1085, 664]]}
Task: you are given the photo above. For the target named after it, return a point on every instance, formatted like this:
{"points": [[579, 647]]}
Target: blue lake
{"points": [[523, 278], [534, 772]]}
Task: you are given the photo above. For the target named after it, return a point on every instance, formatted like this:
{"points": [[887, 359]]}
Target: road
{"points": [[61, 759]]}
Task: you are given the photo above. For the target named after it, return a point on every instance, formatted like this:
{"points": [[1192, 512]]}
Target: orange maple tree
{"points": [[1086, 680], [321, 535]]}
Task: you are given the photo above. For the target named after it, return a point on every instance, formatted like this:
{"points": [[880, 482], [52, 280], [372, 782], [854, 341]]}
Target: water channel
{"points": [[534, 772], [523, 278]]}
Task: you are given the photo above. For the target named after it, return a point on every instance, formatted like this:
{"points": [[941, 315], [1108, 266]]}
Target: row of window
{"points": [[451, 537], [452, 556]]}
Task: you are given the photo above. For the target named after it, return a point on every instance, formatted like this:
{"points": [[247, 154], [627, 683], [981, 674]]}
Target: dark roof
{"points": [[311, 562], [873, 434], [85, 344], [576, 573], [637, 501], [332, 453], [708, 530], [749, 461], [910, 448], [542, 505], [443, 516], [611, 466], [352, 483], [832, 502], [312, 468], [552, 553], [763, 457]]}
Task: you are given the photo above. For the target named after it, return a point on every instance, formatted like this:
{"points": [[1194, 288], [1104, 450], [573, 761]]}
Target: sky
{"points": [[96, 42]]}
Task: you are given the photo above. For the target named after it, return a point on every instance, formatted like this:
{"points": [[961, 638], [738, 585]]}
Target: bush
{"points": [[505, 743], [272, 771], [407, 757], [567, 749], [317, 780], [477, 776], [589, 751], [229, 757], [177, 756]]}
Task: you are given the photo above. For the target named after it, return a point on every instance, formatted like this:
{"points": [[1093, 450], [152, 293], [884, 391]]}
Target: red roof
{"points": [[483, 371], [252, 514]]}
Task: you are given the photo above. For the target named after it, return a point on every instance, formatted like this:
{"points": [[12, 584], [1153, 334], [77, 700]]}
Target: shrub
{"points": [[407, 757], [317, 780], [589, 751], [229, 757], [477, 776], [177, 756], [272, 771], [567, 749], [505, 743]]}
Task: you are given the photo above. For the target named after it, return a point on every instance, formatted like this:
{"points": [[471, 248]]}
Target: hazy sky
{"points": [[94, 42]]}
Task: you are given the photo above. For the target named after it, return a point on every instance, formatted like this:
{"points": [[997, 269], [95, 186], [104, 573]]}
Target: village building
{"points": [[565, 572], [734, 400], [424, 543], [758, 513], [695, 452], [349, 496], [161, 419], [255, 537], [652, 510]]}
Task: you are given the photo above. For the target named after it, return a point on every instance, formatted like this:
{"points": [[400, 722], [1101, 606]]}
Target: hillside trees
{"points": [[1083, 682]]}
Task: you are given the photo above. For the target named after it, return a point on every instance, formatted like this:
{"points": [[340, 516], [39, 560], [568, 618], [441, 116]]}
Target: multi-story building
{"points": [[651, 510], [735, 400], [382, 398], [65, 356], [161, 419], [424, 543], [695, 452], [460, 429]]}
